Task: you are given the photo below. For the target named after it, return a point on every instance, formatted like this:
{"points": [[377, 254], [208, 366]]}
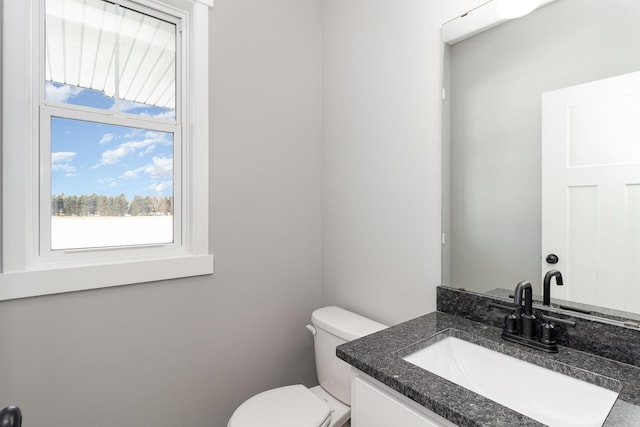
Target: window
{"points": [[105, 184], [105, 144]]}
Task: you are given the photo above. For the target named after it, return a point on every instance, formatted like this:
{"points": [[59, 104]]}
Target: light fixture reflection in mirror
{"points": [[511, 9]]}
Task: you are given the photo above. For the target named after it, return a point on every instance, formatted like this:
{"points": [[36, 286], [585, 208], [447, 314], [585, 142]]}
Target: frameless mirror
{"points": [[541, 153]]}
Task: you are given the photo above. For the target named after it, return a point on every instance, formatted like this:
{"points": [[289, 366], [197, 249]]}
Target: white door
{"points": [[591, 191]]}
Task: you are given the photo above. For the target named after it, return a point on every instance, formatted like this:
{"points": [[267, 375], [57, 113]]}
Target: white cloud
{"points": [[161, 138], [130, 174], [134, 133], [61, 162], [161, 166], [150, 149], [108, 182], [165, 115], [160, 187], [61, 93], [107, 137], [131, 106], [125, 105], [144, 146], [63, 157], [110, 157], [63, 167]]}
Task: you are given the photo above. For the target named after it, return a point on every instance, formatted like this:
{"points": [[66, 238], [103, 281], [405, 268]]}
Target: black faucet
{"points": [[528, 325], [11, 416], [521, 325], [546, 297]]}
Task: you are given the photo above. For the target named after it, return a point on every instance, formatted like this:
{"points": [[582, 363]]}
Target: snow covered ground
{"points": [[93, 232]]}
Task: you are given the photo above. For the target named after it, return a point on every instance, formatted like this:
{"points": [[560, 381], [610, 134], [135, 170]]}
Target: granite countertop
{"points": [[380, 356]]}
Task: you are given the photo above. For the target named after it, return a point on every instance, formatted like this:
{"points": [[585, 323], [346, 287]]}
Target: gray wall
{"points": [[187, 352], [497, 79], [382, 154]]}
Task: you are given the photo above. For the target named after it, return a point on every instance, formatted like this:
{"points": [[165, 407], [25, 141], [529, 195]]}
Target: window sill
{"points": [[24, 284]]}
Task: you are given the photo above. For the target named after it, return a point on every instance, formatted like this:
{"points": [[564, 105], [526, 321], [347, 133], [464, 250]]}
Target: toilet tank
{"points": [[335, 326]]}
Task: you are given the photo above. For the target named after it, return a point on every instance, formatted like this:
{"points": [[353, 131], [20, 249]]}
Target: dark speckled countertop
{"points": [[380, 356]]}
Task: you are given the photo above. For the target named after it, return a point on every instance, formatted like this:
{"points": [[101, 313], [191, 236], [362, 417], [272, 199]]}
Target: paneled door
{"points": [[591, 191]]}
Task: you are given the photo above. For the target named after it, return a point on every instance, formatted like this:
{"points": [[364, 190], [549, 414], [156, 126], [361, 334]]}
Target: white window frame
{"points": [[28, 272]]}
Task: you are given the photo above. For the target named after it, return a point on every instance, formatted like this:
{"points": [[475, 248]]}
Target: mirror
{"points": [[493, 213]]}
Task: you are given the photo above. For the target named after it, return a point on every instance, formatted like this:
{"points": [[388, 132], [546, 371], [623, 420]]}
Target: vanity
{"points": [[389, 390], [376, 405]]}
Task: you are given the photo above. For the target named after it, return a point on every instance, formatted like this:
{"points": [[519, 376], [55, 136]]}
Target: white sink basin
{"points": [[549, 397]]}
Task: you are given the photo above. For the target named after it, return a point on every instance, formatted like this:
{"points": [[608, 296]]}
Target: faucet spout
{"points": [[528, 320], [546, 298], [525, 288]]}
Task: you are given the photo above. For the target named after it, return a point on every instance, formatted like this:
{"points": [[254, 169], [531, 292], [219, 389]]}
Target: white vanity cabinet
{"points": [[373, 404]]}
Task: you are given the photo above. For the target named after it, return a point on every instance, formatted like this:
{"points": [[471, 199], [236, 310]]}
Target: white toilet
{"points": [[326, 405]]}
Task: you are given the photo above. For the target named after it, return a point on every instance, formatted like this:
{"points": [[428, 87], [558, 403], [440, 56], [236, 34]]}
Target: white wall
{"points": [[187, 352], [382, 154]]}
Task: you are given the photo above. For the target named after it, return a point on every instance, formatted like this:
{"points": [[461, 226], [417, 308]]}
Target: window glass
{"points": [[58, 92], [87, 40], [110, 185], [147, 66], [80, 50]]}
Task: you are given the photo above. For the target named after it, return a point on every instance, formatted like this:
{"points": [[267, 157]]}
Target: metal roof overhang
{"points": [[88, 40]]}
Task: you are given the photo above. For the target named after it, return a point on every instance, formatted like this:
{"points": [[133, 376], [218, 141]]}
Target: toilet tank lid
{"points": [[344, 324]]}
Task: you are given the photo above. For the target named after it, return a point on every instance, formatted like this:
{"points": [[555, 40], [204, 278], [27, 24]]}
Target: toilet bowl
{"points": [[291, 406], [326, 405]]}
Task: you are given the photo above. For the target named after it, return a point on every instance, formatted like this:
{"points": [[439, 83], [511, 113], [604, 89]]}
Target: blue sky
{"points": [[89, 157]]}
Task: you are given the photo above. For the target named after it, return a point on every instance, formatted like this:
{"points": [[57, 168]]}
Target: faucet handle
{"points": [[503, 306], [565, 322], [549, 328], [511, 320]]}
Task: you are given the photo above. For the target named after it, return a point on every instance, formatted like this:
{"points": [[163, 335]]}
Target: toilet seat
{"points": [[291, 406]]}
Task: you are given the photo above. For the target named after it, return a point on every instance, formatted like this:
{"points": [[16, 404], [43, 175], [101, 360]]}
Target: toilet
{"points": [[326, 405]]}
